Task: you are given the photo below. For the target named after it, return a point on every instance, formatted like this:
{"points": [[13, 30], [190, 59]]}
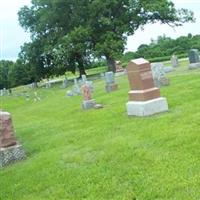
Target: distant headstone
{"points": [[144, 97], [159, 75], [10, 150], [110, 82], [118, 66], [84, 78], [88, 102], [76, 88], [65, 81], [194, 59], [174, 61], [48, 84], [4, 92]]}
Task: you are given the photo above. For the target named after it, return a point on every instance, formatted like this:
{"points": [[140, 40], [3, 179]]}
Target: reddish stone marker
{"points": [[7, 137], [88, 102], [144, 97], [10, 150], [141, 81]]}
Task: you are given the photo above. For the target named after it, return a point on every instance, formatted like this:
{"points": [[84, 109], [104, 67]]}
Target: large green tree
{"points": [[114, 20], [104, 26]]}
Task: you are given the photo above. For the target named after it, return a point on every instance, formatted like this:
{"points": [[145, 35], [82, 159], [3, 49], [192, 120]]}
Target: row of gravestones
{"points": [[144, 100]]}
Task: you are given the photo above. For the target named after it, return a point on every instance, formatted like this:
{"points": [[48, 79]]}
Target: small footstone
{"points": [[88, 104], [98, 106]]}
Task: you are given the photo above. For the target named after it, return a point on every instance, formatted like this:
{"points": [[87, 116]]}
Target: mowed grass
{"points": [[104, 154]]}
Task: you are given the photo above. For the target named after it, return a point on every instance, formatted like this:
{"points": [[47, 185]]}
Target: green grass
{"points": [[104, 154]]}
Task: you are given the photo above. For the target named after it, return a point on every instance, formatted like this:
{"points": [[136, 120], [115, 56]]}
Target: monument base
{"points": [[88, 104], [111, 87], [147, 108], [194, 65], [11, 155]]}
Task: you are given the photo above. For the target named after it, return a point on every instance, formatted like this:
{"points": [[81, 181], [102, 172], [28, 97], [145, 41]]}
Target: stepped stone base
{"points": [[147, 108], [11, 155], [88, 104]]}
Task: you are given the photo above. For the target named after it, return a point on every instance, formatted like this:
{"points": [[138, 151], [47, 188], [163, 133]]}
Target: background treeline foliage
{"points": [[163, 47], [18, 73]]}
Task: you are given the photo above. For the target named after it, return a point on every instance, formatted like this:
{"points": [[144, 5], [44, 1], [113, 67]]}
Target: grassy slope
{"points": [[103, 154]]}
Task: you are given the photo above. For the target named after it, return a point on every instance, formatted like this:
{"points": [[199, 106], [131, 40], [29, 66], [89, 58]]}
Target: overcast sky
{"points": [[12, 36]]}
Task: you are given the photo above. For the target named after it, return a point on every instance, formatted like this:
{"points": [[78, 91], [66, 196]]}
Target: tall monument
{"points": [[144, 97]]}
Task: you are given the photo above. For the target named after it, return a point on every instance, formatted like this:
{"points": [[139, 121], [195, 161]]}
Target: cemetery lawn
{"points": [[104, 154]]}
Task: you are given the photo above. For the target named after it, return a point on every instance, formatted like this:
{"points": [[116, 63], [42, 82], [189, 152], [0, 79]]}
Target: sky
{"points": [[12, 36]]}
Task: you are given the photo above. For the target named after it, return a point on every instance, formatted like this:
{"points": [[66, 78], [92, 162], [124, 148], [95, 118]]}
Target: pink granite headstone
{"points": [[7, 134], [86, 92]]}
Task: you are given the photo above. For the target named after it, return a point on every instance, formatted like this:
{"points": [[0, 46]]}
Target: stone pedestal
{"points": [[144, 97], [111, 87], [147, 108], [11, 155], [88, 104]]}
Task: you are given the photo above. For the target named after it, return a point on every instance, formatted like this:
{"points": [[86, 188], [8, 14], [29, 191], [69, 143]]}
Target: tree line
{"points": [[70, 35], [164, 47]]}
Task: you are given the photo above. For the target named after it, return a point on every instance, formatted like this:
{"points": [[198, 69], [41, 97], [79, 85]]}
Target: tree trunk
{"points": [[111, 64], [81, 69]]}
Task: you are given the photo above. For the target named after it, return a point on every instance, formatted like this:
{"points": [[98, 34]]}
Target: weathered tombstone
{"points": [[144, 97], [159, 75], [110, 82], [65, 81], [10, 150], [48, 84], [84, 78], [174, 61], [1, 92], [4, 91], [118, 66], [88, 102], [194, 59], [76, 89]]}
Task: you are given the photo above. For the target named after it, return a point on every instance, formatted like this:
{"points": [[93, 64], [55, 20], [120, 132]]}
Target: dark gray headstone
{"points": [[194, 56]]}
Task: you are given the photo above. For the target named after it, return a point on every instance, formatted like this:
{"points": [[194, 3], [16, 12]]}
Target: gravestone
{"points": [[159, 75], [76, 89], [84, 78], [110, 82], [194, 59], [10, 150], [65, 81], [174, 61], [88, 102], [48, 84], [144, 97], [118, 66]]}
